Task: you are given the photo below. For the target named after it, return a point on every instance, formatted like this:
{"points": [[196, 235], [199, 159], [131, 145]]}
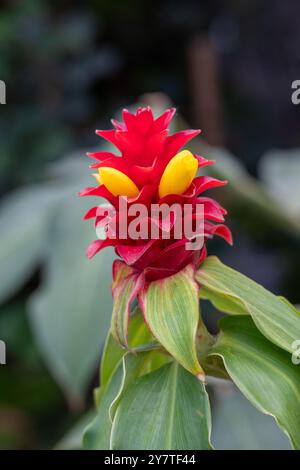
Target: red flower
{"points": [[147, 172]]}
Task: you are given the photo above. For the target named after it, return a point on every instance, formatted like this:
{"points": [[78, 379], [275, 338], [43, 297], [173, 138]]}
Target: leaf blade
{"points": [[275, 318], [97, 435], [170, 308], [167, 409], [70, 314], [138, 335], [123, 293], [263, 372]]}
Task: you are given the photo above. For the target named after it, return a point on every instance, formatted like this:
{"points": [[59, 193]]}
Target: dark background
{"points": [[69, 66]]}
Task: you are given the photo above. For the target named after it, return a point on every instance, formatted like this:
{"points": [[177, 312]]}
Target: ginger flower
{"points": [[151, 167]]}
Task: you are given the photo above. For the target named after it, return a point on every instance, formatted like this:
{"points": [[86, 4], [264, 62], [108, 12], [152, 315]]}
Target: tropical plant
{"points": [[159, 353]]}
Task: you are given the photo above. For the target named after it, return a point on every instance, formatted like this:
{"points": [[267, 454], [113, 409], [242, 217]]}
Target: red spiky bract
{"points": [[145, 147]]}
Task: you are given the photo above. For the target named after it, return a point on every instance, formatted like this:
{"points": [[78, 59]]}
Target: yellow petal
{"points": [[117, 182], [178, 174]]}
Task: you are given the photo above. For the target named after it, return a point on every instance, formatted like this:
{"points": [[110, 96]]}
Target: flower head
{"points": [[152, 169]]}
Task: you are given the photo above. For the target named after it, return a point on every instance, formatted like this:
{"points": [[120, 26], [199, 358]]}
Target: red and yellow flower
{"points": [[152, 168]]}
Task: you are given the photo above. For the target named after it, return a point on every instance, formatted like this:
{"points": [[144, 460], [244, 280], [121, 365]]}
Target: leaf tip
{"points": [[202, 377]]}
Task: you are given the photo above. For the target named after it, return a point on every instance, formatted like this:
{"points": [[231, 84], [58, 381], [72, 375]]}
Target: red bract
{"points": [[145, 149]]}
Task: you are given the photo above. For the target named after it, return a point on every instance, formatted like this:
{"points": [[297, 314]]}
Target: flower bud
{"points": [[178, 174]]}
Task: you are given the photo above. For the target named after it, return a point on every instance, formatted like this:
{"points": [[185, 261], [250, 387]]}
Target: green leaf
{"points": [[123, 293], [227, 304], [118, 369], [252, 429], [135, 365], [138, 335], [279, 170], [111, 356], [230, 290], [25, 217], [171, 311], [165, 409], [263, 372], [97, 435]]}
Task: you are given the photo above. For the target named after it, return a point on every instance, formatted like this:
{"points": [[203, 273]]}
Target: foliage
{"points": [[167, 407], [45, 237], [68, 330], [67, 66]]}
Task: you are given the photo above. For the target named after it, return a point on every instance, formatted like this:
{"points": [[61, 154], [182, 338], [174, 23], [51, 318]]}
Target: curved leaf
{"points": [[225, 287], [98, 434], [227, 304], [165, 409], [263, 372], [138, 335], [135, 365], [252, 429], [171, 311]]}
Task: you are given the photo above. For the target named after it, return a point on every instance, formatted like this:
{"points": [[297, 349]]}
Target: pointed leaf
{"points": [[263, 372], [170, 308], [98, 434], [232, 292], [165, 409]]}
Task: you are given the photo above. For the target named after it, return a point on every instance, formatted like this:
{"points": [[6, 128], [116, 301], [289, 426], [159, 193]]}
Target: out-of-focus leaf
{"points": [[171, 310], [166, 409], [15, 332], [279, 321], [238, 425], [25, 216], [97, 435], [70, 313], [227, 304], [263, 372], [280, 170], [71, 169]]}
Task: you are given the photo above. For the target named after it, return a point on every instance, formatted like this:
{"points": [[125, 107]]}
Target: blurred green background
{"points": [[68, 67]]}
